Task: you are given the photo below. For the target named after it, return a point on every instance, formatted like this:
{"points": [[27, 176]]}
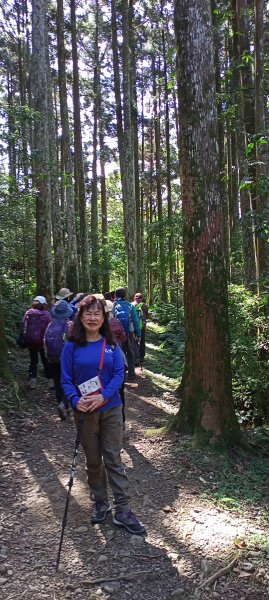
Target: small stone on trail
{"points": [[82, 529], [178, 594], [125, 553], [166, 522], [61, 568], [137, 541], [102, 559], [248, 567], [167, 509], [99, 592], [112, 586], [3, 580], [3, 569]]}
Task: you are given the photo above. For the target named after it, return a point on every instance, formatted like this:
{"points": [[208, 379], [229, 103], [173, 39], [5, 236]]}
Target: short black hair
{"points": [[120, 292], [107, 295]]}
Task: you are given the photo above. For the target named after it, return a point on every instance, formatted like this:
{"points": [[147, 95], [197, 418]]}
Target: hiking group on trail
{"points": [[86, 346]]}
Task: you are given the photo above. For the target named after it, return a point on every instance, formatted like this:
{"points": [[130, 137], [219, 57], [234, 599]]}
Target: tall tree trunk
{"points": [[207, 409], [134, 116], [150, 219], [41, 151], [56, 215], [67, 188], [94, 211], [223, 156], [262, 171], [79, 165], [171, 258], [129, 199], [163, 289], [124, 134], [104, 252], [248, 238]]}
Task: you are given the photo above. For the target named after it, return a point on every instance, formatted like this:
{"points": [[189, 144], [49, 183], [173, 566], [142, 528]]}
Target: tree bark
{"points": [[94, 187], [162, 260], [56, 214], [66, 160], [79, 165], [129, 199], [262, 170], [39, 86], [171, 259], [124, 134], [248, 238], [207, 409]]}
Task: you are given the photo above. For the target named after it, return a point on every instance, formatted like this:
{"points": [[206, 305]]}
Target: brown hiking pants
{"points": [[102, 443]]}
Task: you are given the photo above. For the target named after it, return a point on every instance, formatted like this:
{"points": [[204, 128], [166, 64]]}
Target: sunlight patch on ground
{"points": [[3, 429], [165, 383], [153, 347], [208, 525], [155, 327]]}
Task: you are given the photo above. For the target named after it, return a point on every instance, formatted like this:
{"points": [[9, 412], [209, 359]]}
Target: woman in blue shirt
{"points": [[92, 373]]}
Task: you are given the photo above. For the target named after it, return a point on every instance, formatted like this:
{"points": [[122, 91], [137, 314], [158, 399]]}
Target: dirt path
{"points": [[187, 540]]}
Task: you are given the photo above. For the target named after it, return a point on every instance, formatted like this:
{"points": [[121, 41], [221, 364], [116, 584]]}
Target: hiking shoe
{"points": [[129, 521], [100, 512], [62, 411], [32, 383]]}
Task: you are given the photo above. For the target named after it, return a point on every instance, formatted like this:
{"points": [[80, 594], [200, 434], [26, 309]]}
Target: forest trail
{"points": [[188, 538]]}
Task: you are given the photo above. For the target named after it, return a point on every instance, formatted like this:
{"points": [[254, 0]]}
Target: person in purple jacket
{"points": [[92, 372]]}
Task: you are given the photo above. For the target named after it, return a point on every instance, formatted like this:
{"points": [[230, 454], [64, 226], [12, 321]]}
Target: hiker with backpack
{"points": [[34, 325], [54, 340], [92, 372], [120, 337], [142, 313], [126, 313]]}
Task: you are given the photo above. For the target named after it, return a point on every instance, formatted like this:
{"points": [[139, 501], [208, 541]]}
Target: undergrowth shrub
{"points": [[249, 352]]}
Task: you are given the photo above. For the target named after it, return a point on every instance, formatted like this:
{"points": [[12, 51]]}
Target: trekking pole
{"points": [[70, 485]]}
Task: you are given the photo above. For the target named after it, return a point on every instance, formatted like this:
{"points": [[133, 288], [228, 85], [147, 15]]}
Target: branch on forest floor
{"points": [[115, 577], [218, 574]]}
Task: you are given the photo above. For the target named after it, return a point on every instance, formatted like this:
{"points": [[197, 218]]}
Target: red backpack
{"points": [[35, 325]]}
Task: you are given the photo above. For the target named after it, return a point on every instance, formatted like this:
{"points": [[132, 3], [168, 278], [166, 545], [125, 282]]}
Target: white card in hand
{"points": [[90, 386]]}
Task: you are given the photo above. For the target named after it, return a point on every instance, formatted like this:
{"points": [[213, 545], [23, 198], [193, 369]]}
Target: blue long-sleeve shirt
{"points": [[80, 363]]}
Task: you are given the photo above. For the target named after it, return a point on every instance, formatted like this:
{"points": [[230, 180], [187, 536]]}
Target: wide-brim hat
{"points": [[61, 310], [108, 306], [63, 293]]}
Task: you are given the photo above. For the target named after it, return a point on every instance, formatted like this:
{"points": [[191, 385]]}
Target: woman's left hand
{"points": [[94, 401]]}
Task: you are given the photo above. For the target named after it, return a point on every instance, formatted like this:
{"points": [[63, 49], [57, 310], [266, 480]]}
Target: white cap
{"points": [[40, 299]]}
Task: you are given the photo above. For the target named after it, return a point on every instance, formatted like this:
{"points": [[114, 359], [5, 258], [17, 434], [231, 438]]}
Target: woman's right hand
{"points": [[84, 404]]}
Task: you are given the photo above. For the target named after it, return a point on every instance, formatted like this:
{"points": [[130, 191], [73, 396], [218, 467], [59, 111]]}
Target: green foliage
{"points": [[165, 354], [167, 313], [250, 373], [239, 482]]}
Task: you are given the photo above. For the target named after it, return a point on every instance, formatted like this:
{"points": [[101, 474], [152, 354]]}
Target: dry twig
{"points": [[218, 574]]}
